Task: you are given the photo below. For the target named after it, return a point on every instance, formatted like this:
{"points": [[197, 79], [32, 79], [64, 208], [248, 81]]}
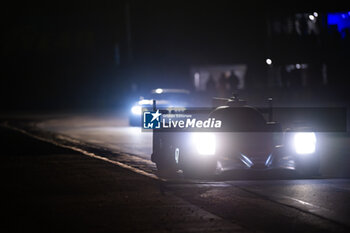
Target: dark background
{"points": [[89, 55]]}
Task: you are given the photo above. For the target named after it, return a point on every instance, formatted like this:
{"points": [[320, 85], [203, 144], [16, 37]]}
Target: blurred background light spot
{"points": [[268, 61]]}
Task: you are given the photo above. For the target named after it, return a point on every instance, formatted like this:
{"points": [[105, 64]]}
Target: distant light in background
{"points": [[159, 90], [298, 66], [315, 14], [268, 61], [311, 17], [196, 79]]}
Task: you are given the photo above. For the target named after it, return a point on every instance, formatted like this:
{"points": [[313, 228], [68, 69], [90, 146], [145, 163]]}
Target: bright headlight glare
{"points": [[305, 143], [204, 143], [137, 110]]}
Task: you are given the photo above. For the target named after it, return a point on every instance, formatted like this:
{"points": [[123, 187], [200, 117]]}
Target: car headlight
{"points": [[204, 143], [305, 143], [136, 110]]}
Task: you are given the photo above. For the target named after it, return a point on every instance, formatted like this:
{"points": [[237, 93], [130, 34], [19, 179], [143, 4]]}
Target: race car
{"points": [[246, 138], [166, 98]]}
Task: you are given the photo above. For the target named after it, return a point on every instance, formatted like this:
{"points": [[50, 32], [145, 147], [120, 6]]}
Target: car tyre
{"points": [[166, 164]]}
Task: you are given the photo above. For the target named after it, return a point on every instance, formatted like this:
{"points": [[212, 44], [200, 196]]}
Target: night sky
{"points": [[76, 56]]}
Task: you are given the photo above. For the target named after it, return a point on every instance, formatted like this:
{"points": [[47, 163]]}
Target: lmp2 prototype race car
{"points": [[165, 97], [246, 138]]}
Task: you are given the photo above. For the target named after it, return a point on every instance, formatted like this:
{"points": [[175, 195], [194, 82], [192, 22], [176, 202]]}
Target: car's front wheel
{"points": [[166, 162]]}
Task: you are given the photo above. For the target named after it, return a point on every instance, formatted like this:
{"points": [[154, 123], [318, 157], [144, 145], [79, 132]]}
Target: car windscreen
{"points": [[240, 119], [171, 96]]}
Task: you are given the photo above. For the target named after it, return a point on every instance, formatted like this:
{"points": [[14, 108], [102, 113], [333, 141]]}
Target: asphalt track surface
{"points": [[273, 202]]}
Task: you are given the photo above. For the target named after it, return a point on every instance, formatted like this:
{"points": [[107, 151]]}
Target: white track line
{"points": [[139, 171]]}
